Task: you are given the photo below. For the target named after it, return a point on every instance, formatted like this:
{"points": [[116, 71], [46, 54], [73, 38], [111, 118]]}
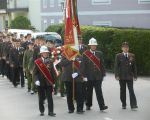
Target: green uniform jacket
{"points": [[28, 55]]}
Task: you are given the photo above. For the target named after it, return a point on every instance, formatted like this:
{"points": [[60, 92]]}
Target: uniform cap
{"points": [[125, 44]]}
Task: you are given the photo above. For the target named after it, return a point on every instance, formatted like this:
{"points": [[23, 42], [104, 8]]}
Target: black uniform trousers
{"points": [[97, 85], [15, 76], [0, 66], [85, 90], [7, 70], [41, 94], [78, 95], [21, 76], [123, 84], [3, 63]]}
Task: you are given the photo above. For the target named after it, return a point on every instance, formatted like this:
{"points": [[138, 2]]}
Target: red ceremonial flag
{"points": [[69, 35], [70, 53], [75, 17], [72, 30]]}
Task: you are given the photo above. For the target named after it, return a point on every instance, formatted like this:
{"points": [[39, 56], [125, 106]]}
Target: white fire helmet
{"points": [[92, 41], [43, 49]]}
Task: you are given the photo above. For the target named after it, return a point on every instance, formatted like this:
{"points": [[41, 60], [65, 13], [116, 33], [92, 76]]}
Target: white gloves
{"points": [[74, 75], [37, 83], [59, 60], [84, 79]]}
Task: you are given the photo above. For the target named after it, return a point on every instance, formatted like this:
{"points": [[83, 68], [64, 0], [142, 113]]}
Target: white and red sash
{"points": [[93, 58], [45, 71]]}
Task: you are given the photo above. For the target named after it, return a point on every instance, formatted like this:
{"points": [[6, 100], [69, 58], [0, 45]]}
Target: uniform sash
{"points": [[94, 59], [76, 64], [45, 71]]}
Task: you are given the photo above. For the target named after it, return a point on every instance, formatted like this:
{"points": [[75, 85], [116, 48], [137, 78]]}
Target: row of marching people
{"points": [[80, 76], [17, 58], [45, 66]]}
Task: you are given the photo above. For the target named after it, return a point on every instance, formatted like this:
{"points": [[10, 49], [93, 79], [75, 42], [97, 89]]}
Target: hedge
{"points": [[110, 40]]}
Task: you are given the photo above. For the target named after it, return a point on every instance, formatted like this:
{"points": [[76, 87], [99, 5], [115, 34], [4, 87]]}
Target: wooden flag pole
{"points": [[73, 85]]}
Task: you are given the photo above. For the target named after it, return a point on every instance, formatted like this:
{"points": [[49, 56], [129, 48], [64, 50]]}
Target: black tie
{"points": [[93, 53], [126, 56], [80, 47]]}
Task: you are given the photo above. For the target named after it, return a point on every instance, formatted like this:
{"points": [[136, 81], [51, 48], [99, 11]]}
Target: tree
{"points": [[21, 22]]}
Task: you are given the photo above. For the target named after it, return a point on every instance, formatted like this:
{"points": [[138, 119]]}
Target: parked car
{"points": [[20, 31], [51, 36]]}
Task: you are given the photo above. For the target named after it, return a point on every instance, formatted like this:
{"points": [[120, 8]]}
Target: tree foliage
{"points": [[20, 22]]}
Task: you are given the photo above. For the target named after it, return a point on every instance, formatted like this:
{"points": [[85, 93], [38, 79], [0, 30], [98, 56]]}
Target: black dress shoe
{"points": [[62, 95], [134, 107], [42, 114], [71, 111], [80, 112], [52, 114], [88, 108], [103, 107], [29, 90], [123, 107], [55, 92]]}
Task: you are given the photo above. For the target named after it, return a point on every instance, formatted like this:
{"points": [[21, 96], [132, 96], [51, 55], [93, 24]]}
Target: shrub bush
{"points": [[110, 40], [20, 22]]}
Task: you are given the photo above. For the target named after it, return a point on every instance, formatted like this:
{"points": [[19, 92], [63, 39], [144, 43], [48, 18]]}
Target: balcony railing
{"points": [[17, 4]]}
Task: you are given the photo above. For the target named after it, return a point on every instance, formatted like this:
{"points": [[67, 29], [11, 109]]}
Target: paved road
{"points": [[18, 104]]}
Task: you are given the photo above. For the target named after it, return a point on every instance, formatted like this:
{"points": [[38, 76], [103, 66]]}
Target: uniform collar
{"points": [[126, 54], [92, 51]]}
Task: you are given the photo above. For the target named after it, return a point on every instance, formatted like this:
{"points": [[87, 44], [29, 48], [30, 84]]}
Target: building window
{"points": [[52, 21], [101, 2], [143, 1], [60, 21], [44, 3], [60, 2], [52, 3], [102, 23], [45, 25]]}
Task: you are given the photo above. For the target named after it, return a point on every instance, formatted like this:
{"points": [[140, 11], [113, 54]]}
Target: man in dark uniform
{"points": [[16, 62], [3, 55], [43, 82], [72, 74], [1, 43], [7, 51], [126, 72], [82, 49], [93, 72]]}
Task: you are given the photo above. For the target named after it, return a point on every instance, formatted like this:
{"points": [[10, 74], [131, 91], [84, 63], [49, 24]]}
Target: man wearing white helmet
{"points": [[93, 72], [44, 79]]}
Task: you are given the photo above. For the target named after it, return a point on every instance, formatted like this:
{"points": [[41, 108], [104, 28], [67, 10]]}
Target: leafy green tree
{"points": [[21, 22]]}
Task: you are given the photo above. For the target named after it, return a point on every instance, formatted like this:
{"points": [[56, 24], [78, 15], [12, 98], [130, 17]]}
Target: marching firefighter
{"points": [[44, 80], [93, 72]]}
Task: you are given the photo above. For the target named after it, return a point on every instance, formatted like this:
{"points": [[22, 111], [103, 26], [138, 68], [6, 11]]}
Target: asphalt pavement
{"points": [[18, 104]]}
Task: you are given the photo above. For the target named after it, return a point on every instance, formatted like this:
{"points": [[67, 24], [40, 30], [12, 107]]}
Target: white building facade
{"points": [[115, 13]]}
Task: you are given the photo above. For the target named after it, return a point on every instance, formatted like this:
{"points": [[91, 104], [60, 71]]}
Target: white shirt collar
{"points": [[125, 53], [42, 59], [92, 51]]}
